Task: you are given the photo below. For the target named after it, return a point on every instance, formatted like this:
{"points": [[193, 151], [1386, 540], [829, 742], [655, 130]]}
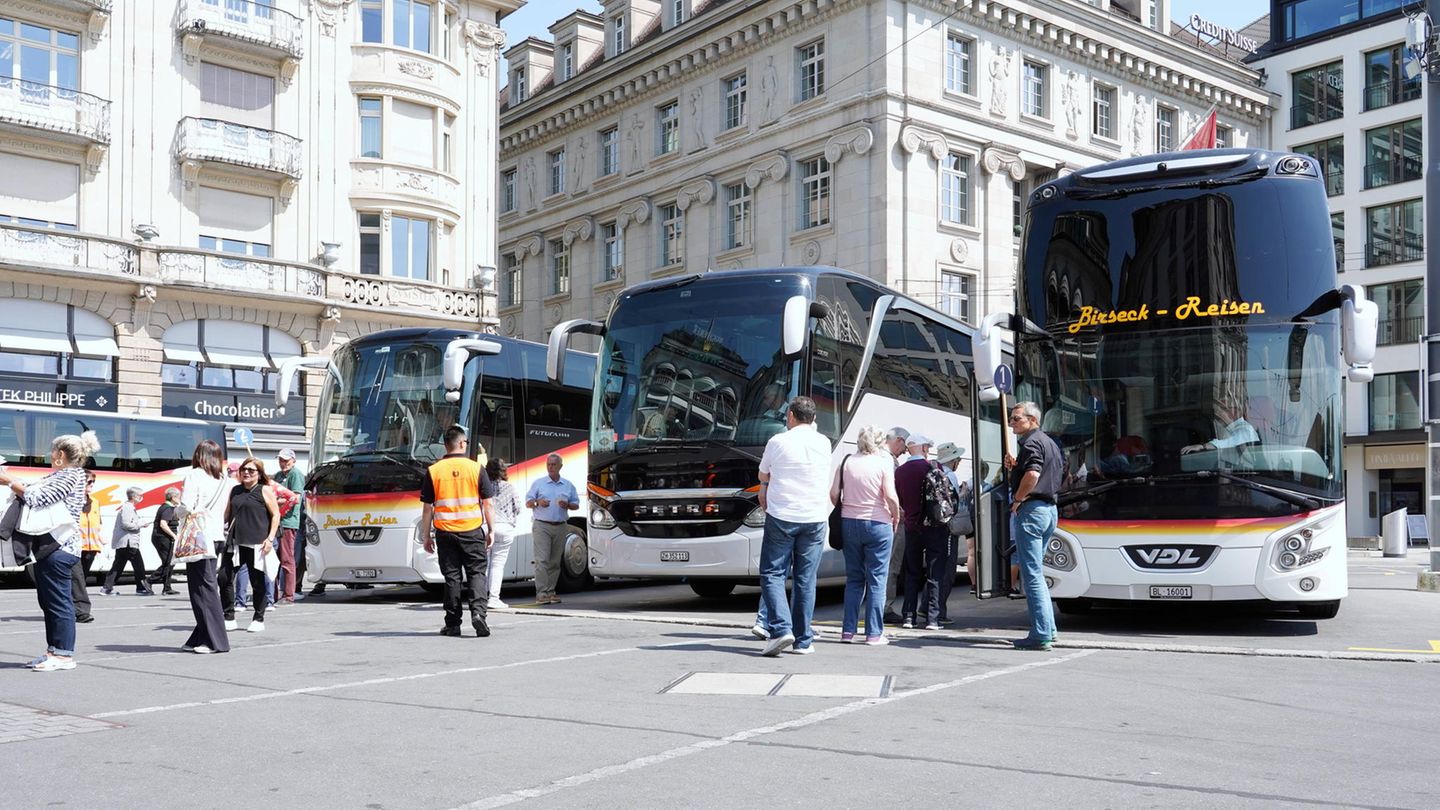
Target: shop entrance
{"points": [[1405, 487]]}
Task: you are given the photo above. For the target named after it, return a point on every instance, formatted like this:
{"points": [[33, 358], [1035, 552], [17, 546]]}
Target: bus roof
{"points": [[21, 406], [441, 335], [1173, 168]]}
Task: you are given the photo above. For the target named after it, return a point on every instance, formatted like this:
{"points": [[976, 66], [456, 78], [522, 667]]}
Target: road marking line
{"points": [[311, 690], [811, 719], [96, 625], [1434, 649]]}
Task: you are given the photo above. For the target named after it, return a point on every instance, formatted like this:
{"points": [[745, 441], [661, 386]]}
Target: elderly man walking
{"points": [[795, 493], [1034, 478], [550, 501]]}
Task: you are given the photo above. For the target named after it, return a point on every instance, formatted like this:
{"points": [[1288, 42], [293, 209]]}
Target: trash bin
{"points": [[1394, 534]]}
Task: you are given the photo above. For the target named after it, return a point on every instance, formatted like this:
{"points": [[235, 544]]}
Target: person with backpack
{"points": [[961, 524], [927, 500]]}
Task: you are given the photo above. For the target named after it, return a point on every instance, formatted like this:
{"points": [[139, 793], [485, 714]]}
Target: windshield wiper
{"points": [[1070, 496], [665, 446], [1287, 495], [388, 456]]}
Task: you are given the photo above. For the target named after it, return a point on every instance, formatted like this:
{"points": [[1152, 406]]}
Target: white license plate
{"points": [[1171, 592], [674, 556], [365, 573]]}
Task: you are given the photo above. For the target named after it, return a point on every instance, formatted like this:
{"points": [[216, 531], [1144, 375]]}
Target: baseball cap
{"points": [[287, 454], [897, 433], [917, 439], [947, 452]]}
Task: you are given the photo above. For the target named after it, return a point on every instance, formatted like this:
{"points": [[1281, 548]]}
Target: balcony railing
{"points": [[388, 293], [218, 270], [25, 246], [55, 109], [1382, 252], [1334, 181], [1313, 112], [1399, 330], [1383, 94], [1393, 171], [255, 24], [202, 139]]}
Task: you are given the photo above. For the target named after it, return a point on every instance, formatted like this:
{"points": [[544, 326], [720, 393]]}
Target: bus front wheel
{"points": [[575, 562], [711, 588], [1320, 610]]}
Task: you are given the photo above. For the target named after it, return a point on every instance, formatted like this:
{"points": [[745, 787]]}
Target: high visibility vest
{"points": [[90, 539], [457, 494]]}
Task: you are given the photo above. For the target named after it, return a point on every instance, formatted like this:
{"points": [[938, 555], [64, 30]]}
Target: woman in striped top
{"points": [[57, 554]]}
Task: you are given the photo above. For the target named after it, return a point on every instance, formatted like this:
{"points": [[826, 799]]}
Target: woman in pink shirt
{"points": [[869, 513]]}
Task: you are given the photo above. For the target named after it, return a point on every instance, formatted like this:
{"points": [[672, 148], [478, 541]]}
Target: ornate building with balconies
{"points": [[195, 190]]}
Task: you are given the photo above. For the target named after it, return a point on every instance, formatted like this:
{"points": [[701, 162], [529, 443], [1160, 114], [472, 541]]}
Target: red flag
{"points": [[1204, 137]]}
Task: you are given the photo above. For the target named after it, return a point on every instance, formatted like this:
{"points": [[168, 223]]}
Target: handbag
{"points": [[193, 542], [962, 523], [837, 540], [54, 520]]}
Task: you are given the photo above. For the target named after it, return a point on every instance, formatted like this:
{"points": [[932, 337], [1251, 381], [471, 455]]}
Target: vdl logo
{"points": [[1171, 558]]}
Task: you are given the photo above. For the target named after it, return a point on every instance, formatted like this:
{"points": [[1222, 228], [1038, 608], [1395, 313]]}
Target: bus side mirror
{"points": [[989, 353], [1359, 321], [291, 366], [795, 323], [560, 341], [457, 353]]}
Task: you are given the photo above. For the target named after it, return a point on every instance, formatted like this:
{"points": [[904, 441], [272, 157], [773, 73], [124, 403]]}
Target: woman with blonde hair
{"points": [[864, 489], [203, 488], [57, 552]]}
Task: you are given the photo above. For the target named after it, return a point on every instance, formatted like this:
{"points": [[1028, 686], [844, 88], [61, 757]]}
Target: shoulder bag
{"points": [[836, 538]]}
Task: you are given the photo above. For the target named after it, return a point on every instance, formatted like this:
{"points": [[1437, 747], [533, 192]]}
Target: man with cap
{"points": [[925, 547], [895, 439], [949, 455], [290, 478]]}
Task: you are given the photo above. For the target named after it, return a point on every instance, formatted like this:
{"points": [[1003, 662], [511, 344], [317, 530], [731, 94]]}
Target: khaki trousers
{"points": [[548, 542]]}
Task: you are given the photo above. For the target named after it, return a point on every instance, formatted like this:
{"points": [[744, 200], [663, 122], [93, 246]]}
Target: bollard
{"points": [[1394, 535]]}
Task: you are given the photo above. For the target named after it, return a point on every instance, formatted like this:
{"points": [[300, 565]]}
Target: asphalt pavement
{"points": [[642, 695]]}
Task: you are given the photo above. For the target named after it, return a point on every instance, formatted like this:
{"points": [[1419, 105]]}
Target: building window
{"points": [[447, 33], [959, 59], [370, 128], [370, 244], [1331, 156], [517, 85], [557, 171], [567, 61], [372, 21], [667, 131], [1385, 81], [737, 216], [1318, 93], [612, 256], [1164, 128], [955, 292], [1395, 401], [237, 96], [672, 235], [559, 267], [677, 12], [1102, 120], [617, 36], [235, 246], [812, 69], [411, 23], [507, 190], [410, 248], [1337, 230], [1393, 154], [1402, 311], [814, 192], [510, 281], [955, 189], [1224, 136], [1034, 101], [1302, 18], [1393, 234], [609, 151], [30, 222], [42, 57], [447, 145], [734, 101]]}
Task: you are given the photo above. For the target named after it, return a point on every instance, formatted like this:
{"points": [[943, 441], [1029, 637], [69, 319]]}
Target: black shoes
{"points": [[170, 592], [86, 619], [481, 629], [447, 630]]}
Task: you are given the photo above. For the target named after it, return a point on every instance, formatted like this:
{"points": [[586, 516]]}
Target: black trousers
{"points": [[129, 555], [462, 558], [926, 555], [227, 582], [205, 602], [79, 594], [947, 577], [165, 547]]}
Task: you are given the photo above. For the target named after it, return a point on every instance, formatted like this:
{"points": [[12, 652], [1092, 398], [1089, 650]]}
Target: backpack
{"points": [[962, 523], [938, 497]]}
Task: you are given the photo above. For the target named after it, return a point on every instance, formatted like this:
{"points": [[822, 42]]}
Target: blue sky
{"points": [[536, 17]]}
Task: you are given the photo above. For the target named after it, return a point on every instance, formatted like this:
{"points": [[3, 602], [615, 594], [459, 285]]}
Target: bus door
{"points": [[992, 501]]}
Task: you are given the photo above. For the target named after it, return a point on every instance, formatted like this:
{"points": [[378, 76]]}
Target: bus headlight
{"points": [[1295, 551], [756, 518], [312, 532], [600, 518], [1059, 555]]}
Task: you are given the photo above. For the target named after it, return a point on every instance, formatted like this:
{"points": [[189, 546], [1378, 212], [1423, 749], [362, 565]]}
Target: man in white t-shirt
{"points": [[795, 493]]}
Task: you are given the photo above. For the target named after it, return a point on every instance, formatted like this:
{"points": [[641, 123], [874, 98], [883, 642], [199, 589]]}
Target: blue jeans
{"points": [[52, 590], [867, 564], [1032, 528], [788, 543]]}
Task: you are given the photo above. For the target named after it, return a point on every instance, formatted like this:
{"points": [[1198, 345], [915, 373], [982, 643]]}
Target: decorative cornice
{"points": [[913, 139], [857, 139], [582, 229], [701, 190], [637, 211], [406, 93], [772, 167], [484, 41], [998, 160]]}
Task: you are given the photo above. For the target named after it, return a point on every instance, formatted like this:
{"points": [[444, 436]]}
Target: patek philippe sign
{"points": [[218, 406], [85, 396], [1224, 36]]}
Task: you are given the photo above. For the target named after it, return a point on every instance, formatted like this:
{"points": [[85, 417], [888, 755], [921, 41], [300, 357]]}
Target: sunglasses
{"points": [[249, 470], [1019, 418]]}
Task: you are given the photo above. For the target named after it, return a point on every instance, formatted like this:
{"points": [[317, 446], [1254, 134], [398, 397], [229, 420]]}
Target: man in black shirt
{"points": [[1034, 478]]}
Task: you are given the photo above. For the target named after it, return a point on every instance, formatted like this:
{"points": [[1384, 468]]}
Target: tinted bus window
{"points": [[110, 431], [163, 447], [16, 440]]}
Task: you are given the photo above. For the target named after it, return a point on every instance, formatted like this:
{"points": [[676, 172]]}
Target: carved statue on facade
{"points": [[528, 171], [999, 80], [1071, 98], [769, 87], [635, 137], [578, 172], [1139, 126], [697, 117]]}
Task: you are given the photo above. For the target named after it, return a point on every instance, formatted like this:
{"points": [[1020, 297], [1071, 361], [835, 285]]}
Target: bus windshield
{"points": [[389, 403], [678, 365]]}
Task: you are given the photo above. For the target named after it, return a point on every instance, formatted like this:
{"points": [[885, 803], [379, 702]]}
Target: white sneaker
{"points": [[53, 664], [256, 627], [201, 650], [230, 624], [777, 644], [496, 604], [802, 650], [759, 632]]}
